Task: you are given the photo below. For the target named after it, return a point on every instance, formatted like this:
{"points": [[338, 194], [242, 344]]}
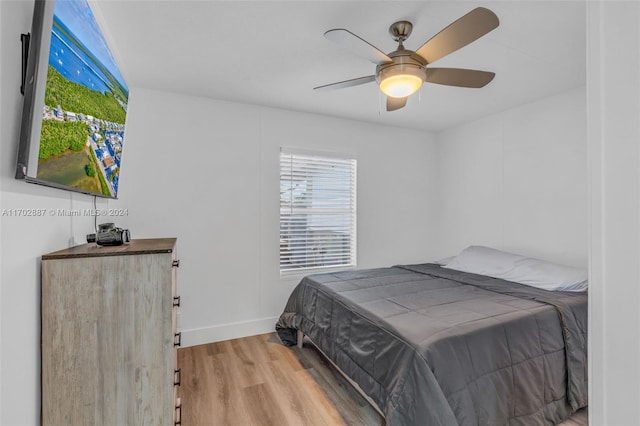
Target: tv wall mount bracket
{"points": [[24, 39]]}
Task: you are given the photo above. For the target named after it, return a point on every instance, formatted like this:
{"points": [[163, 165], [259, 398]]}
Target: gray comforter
{"points": [[433, 346]]}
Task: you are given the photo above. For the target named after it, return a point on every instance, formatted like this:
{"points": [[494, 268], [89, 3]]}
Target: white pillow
{"points": [[444, 261], [524, 270]]}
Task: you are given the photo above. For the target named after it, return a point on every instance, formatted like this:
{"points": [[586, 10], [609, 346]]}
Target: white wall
{"points": [[25, 239], [517, 181], [207, 172], [613, 88]]}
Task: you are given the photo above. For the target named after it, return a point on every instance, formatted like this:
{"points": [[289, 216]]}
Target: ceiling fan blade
{"points": [[347, 83], [459, 33], [395, 103], [459, 77], [357, 45]]}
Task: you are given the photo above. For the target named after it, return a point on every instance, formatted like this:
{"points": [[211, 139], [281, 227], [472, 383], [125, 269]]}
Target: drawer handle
{"points": [[176, 301], [177, 339], [175, 263], [178, 413], [177, 377]]}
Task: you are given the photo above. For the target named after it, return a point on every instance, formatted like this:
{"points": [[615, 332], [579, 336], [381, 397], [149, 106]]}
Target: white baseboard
{"points": [[218, 333]]}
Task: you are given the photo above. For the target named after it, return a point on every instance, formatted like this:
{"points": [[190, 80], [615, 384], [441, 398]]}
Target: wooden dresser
{"points": [[109, 335]]}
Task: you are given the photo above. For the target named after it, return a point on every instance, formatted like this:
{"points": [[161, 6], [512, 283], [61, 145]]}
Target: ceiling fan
{"points": [[402, 72]]}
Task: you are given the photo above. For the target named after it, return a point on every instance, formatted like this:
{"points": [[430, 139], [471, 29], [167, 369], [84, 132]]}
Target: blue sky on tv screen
{"points": [[78, 17]]}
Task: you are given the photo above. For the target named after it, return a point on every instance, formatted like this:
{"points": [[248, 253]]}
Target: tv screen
{"points": [[75, 103]]}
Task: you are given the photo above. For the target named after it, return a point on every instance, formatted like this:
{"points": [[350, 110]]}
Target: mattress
{"points": [[434, 346]]}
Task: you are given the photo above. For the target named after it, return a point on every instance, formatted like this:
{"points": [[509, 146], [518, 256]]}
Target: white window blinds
{"points": [[317, 211]]}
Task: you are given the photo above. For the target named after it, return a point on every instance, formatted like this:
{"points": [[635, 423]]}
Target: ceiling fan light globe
{"points": [[400, 86], [401, 80]]}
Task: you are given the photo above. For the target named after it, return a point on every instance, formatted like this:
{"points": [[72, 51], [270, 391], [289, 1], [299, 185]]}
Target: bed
{"points": [[436, 346]]}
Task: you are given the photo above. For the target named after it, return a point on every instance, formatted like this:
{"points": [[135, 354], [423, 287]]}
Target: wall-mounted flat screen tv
{"points": [[75, 103]]}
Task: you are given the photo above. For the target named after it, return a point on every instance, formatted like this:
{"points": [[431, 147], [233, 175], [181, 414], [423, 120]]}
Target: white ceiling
{"points": [[273, 53]]}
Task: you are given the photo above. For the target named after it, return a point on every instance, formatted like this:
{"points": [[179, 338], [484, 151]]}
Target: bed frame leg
{"points": [[300, 335]]}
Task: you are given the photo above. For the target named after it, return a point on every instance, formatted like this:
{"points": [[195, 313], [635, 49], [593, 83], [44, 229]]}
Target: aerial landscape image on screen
{"points": [[85, 105]]}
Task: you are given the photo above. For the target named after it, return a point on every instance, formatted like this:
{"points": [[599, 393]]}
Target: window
{"points": [[317, 211]]}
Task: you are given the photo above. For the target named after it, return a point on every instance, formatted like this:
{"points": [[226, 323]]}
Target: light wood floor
{"points": [[258, 381]]}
